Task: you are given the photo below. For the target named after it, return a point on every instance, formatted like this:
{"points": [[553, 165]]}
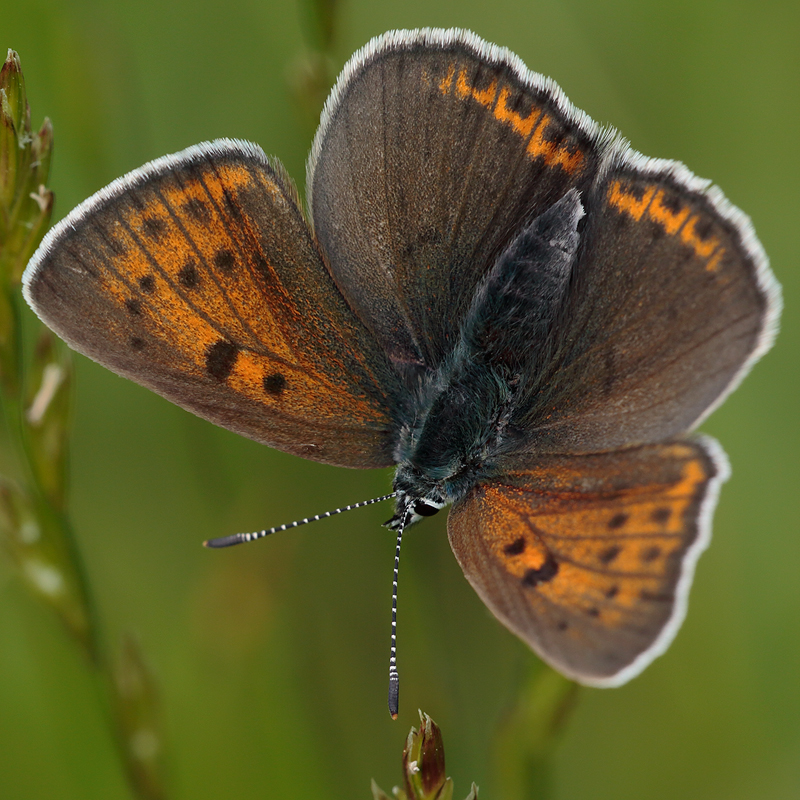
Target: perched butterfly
{"points": [[493, 294]]}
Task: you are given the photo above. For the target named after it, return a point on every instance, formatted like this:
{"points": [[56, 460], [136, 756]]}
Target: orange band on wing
{"points": [[530, 128], [675, 221]]}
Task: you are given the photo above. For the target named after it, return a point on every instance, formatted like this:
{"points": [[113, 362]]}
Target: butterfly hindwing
{"points": [[197, 276], [589, 558], [434, 149]]}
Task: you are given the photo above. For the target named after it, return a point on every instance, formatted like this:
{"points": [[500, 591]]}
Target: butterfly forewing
{"points": [[589, 558], [669, 305], [434, 149], [198, 277]]}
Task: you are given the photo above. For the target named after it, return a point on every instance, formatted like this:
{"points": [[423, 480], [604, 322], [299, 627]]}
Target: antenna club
{"points": [[226, 541], [394, 695]]}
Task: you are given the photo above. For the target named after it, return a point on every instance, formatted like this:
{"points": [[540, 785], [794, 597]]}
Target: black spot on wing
{"points": [[610, 553], [147, 283], [154, 228], [221, 358], [617, 521], [661, 515], [650, 554], [260, 263], [197, 210], [274, 384], [224, 260], [516, 547], [188, 275], [545, 573]]}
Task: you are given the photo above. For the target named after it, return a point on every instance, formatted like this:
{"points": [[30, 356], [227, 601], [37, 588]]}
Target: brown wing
{"points": [[434, 149], [589, 559], [671, 302], [197, 276]]}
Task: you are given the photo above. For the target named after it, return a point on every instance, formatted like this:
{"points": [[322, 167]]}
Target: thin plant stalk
{"points": [[528, 736], [35, 394]]}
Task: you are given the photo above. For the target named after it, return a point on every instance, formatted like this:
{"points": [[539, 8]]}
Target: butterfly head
{"points": [[430, 477], [411, 508]]}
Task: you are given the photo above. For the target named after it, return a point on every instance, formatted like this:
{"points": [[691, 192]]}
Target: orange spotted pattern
{"points": [[532, 128], [681, 222], [178, 249], [585, 549], [611, 551]]}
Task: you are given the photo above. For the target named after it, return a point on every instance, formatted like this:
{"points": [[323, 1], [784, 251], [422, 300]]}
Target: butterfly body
{"points": [[466, 417], [494, 295]]}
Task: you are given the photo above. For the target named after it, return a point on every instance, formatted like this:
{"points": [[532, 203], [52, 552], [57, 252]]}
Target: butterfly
{"points": [[490, 292]]}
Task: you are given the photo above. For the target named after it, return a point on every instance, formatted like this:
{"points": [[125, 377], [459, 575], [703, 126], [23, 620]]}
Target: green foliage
{"points": [[35, 529], [424, 776], [270, 662]]}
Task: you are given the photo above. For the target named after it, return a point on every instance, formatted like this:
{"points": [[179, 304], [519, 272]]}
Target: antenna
{"points": [[394, 677], [240, 538]]}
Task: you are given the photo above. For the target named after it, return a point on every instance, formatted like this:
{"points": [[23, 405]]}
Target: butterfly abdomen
{"points": [[515, 306]]}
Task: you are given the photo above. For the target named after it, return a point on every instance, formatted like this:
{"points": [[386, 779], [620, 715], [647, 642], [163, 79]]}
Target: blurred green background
{"points": [[272, 659]]}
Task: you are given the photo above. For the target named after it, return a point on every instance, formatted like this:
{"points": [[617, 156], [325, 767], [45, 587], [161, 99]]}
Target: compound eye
{"points": [[424, 509]]}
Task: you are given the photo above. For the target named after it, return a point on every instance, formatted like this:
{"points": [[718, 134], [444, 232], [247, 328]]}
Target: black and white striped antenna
{"points": [[241, 538], [394, 677]]}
